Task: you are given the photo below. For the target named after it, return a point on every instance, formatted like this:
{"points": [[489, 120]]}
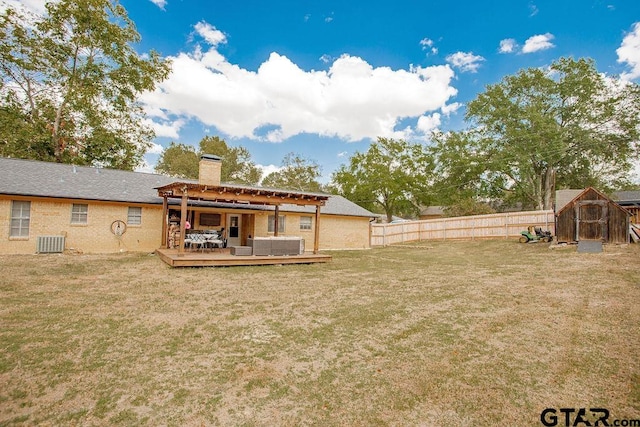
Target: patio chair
{"points": [[195, 240], [215, 242]]}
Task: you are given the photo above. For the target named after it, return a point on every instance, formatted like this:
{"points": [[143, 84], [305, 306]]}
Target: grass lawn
{"points": [[438, 334]]}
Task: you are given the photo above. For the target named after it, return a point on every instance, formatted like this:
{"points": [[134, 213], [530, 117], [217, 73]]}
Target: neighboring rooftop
{"points": [[563, 197], [65, 181], [627, 198], [432, 211]]}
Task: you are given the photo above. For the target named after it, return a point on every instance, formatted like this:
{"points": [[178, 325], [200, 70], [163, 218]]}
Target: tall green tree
{"points": [[542, 129], [237, 166], [461, 181], [69, 85], [297, 173], [392, 176], [181, 160]]}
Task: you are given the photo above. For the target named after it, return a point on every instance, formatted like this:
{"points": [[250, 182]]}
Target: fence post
{"points": [[384, 235], [506, 226]]}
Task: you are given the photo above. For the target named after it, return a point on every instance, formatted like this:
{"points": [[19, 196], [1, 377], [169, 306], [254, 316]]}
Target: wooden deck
{"points": [[222, 258]]}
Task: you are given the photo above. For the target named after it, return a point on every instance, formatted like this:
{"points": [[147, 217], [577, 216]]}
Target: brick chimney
{"points": [[210, 168]]}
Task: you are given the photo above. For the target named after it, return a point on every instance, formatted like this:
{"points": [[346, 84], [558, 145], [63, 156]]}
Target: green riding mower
{"points": [[534, 235]]}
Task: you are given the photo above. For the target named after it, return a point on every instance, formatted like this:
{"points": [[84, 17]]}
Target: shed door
{"points": [[591, 220]]}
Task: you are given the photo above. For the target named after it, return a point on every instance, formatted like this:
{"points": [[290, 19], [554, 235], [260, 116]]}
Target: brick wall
{"points": [[336, 232], [53, 217]]}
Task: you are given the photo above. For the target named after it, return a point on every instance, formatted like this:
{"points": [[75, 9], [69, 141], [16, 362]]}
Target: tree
{"points": [[70, 82], [181, 160], [297, 173], [237, 166], [392, 176], [566, 126], [459, 176]]}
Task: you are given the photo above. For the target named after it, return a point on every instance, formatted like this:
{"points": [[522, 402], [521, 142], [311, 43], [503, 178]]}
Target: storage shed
{"points": [[592, 215]]}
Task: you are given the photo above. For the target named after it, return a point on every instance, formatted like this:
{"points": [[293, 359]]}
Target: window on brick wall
{"points": [[306, 222], [272, 223], [210, 219], [20, 218], [134, 216], [79, 213]]}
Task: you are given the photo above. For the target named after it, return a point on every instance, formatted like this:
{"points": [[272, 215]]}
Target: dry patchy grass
{"points": [[440, 334]]}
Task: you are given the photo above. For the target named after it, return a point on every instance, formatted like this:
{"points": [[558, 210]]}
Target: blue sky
{"points": [[324, 78]]}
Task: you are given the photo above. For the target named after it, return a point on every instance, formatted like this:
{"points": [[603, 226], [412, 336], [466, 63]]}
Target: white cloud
{"points": [[508, 46], [266, 170], [635, 172], [164, 128], [210, 34], [352, 100], [448, 109], [629, 53], [342, 154], [160, 3], [34, 6], [326, 58], [155, 149], [427, 124], [428, 44], [145, 167], [538, 42], [465, 61]]}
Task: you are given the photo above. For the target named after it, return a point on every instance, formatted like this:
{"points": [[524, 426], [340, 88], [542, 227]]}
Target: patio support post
{"points": [[183, 220], [165, 220], [316, 237], [276, 221]]}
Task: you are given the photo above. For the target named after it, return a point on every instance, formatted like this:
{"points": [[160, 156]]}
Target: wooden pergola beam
{"points": [[225, 194], [316, 236], [183, 221], [165, 222]]}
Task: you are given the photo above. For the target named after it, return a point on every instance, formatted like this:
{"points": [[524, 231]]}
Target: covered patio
{"points": [[242, 197]]}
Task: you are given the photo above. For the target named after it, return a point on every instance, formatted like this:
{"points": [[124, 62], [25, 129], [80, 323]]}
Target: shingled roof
{"points": [[563, 197], [64, 181], [627, 198]]}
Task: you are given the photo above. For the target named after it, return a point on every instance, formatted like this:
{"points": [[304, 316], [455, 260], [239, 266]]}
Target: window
{"points": [[79, 213], [305, 222], [20, 217], [272, 221], [210, 219], [134, 216]]}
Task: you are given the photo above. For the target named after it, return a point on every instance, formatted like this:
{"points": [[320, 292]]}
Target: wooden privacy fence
{"points": [[503, 225]]}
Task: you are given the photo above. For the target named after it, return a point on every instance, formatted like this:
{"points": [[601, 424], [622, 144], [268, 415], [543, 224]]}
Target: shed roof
{"points": [[46, 179], [580, 195]]}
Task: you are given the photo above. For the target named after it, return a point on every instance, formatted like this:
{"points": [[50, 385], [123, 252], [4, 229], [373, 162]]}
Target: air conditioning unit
{"points": [[50, 244]]}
